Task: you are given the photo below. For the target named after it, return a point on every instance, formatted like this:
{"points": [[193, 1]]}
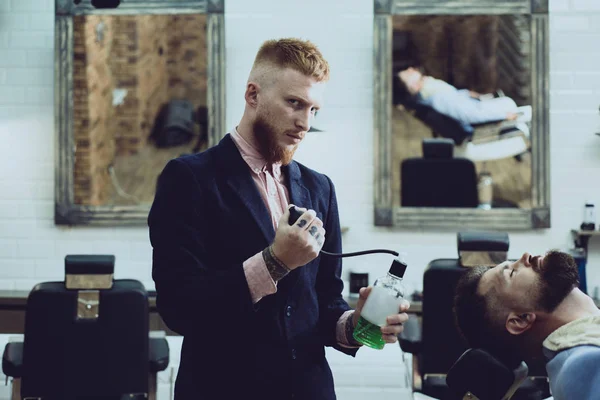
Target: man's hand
{"points": [[300, 243], [394, 326]]}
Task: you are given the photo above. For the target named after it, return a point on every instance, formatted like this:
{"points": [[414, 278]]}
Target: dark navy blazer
{"points": [[206, 220]]}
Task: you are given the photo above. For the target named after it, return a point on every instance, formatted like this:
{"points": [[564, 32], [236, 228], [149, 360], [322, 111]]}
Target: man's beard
{"points": [[266, 137], [558, 277]]}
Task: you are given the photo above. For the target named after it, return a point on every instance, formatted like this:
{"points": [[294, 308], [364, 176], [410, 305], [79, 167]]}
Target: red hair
{"points": [[300, 55]]}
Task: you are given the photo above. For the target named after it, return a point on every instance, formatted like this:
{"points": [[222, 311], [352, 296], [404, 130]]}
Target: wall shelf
{"points": [[582, 238], [581, 232]]}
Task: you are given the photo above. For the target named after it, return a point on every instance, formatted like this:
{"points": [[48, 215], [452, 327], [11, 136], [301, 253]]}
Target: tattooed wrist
{"points": [[277, 269]]}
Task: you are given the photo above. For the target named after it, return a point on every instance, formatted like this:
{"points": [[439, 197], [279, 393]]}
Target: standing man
{"points": [[251, 295]]}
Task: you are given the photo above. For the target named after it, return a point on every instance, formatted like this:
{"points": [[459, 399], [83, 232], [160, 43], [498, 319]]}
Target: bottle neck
{"points": [[390, 275]]}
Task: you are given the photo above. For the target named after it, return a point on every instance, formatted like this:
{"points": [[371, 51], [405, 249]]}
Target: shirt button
{"points": [[293, 354], [288, 311]]}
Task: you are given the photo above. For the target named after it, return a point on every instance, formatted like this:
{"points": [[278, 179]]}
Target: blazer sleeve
{"points": [[185, 274], [329, 282]]}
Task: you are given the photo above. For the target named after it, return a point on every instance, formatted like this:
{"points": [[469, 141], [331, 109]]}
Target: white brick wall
{"points": [[32, 248]]}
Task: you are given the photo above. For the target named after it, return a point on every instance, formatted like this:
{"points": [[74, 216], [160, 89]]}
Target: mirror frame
{"points": [[66, 211], [420, 217]]}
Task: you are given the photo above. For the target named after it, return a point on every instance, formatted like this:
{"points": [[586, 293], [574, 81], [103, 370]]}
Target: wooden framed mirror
{"points": [[135, 86], [438, 165]]}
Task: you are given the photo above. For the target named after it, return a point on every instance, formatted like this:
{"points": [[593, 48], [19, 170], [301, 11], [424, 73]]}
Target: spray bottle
{"points": [[384, 300]]}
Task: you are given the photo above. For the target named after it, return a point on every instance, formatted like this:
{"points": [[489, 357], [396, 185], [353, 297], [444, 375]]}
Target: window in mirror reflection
{"points": [[464, 78], [140, 96]]}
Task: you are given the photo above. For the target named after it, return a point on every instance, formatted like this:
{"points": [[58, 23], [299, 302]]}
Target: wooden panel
{"points": [[12, 321], [13, 303], [540, 135], [448, 7], [382, 129], [129, 7]]}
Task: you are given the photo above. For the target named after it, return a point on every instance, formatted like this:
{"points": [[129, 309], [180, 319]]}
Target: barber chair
{"points": [[436, 344], [438, 179], [511, 143], [440, 124], [175, 125], [490, 141], [479, 375], [493, 140], [86, 338], [447, 127]]}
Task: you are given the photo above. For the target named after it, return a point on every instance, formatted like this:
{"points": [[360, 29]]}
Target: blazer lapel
{"points": [[299, 194], [242, 184]]}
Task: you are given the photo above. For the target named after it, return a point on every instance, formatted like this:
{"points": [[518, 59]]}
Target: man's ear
{"points": [[251, 94], [517, 323]]}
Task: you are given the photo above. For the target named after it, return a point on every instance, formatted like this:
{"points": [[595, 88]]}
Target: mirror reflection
{"points": [[140, 98], [464, 80]]}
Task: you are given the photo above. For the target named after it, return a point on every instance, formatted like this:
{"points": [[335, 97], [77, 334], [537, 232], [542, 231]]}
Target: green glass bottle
{"points": [[384, 300]]}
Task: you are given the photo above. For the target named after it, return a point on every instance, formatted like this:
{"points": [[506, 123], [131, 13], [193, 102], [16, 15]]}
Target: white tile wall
{"points": [[32, 248]]}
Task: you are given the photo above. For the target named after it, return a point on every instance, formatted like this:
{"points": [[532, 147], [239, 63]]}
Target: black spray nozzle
{"points": [[398, 267], [295, 213]]}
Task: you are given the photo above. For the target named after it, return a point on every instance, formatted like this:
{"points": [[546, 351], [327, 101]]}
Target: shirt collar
{"points": [[252, 156]]}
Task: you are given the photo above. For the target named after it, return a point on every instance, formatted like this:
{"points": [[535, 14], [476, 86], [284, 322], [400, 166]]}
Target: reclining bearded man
{"points": [[533, 308]]}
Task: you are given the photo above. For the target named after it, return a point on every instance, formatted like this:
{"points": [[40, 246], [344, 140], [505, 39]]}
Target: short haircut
{"points": [[481, 319], [400, 93], [300, 55]]}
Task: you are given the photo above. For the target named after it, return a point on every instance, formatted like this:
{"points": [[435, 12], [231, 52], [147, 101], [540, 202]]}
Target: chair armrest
{"points": [[12, 359], [410, 338], [159, 354], [488, 123]]}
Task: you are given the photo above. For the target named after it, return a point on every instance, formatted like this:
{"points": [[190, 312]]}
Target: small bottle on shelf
{"points": [[589, 217]]}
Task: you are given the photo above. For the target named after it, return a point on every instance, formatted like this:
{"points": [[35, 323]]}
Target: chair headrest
{"points": [[438, 148], [482, 248], [472, 371], [89, 271]]}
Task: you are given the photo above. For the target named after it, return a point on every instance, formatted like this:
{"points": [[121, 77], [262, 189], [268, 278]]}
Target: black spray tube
{"points": [[295, 213]]}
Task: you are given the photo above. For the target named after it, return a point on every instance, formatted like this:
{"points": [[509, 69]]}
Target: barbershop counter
{"points": [[13, 304]]}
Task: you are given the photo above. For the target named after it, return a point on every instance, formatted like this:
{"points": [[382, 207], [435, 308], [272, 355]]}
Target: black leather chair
{"points": [[86, 338], [438, 179], [479, 375], [442, 126], [434, 341]]}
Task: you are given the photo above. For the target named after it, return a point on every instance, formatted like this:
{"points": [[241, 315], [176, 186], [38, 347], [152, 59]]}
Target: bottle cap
{"points": [[398, 267]]}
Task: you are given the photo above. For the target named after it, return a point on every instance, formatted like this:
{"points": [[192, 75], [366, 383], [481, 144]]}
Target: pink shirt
{"points": [[271, 186]]}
